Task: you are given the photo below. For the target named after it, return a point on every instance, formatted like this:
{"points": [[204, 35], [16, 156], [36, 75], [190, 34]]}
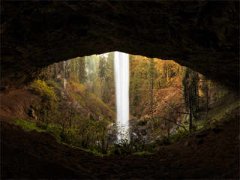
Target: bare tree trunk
{"points": [[151, 87], [190, 115], [207, 101]]}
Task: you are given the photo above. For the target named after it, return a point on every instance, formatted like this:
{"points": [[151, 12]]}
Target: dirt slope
{"points": [[15, 103]]}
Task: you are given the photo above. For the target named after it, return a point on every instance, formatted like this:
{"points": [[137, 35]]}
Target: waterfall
{"points": [[121, 71]]}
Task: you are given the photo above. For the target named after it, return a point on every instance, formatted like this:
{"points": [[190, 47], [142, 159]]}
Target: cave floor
{"points": [[210, 154]]}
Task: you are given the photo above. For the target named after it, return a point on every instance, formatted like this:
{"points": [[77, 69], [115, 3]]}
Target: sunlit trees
{"points": [[164, 97], [106, 77], [151, 83], [139, 84], [81, 70]]}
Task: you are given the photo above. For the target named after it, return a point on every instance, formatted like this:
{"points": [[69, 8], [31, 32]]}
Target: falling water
{"points": [[121, 69]]}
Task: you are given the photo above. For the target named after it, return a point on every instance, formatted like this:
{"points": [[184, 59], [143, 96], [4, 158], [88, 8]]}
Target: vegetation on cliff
{"points": [[77, 103]]}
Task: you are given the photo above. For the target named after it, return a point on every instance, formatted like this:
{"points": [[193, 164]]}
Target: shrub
{"points": [[41, 88], [47, 110], [123, 147], [54, 129], [178, 136], [143, 153], [164, 141]]}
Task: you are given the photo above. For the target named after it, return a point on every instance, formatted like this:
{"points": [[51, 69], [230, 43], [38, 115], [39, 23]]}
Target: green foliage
{"points": [[191, 96], [123, 147], [27, 125], [54, 129], [90, 101], [55, 85], [220, 113], [47, 110], [93, 134], [81, 113], [58, 116], [106, 77], [41, 88], [178, 136], [143, 153], [190, 86], [164, 141], [69, 136]]}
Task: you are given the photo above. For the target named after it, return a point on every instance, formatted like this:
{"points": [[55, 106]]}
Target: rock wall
{"points": [[201, 35]]}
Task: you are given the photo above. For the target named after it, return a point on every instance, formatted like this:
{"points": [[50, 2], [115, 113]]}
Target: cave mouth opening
{"points": [[83, 103], [77, 105]]}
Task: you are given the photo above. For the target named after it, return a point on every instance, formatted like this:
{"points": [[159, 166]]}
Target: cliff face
{"points": [[201, 35]]}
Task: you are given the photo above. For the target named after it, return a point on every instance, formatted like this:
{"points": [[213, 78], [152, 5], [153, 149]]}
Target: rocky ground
{"points": [[210, 154]]}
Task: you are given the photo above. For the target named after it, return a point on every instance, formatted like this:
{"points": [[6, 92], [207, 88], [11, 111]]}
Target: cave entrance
{"points": [[83, 105]]}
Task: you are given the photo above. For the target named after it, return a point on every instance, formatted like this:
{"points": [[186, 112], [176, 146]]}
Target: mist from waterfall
{"points": [[121, 71]]}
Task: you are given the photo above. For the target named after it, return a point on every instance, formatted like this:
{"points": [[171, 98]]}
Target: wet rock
{"points": [[31, 113]]}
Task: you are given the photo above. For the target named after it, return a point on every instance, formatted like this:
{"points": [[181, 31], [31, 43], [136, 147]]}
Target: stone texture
{"points": [[201, 35]]}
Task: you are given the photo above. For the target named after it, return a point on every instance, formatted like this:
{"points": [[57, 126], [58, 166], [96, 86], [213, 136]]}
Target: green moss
{"points": [[94, 152], [27, 125], [142, 153]]}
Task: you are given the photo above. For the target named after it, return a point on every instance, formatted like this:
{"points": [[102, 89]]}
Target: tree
{"points": [[102, 74], [82, 70], [103, 77], [151, 82], [190, 88], [205, 86], [152, 74], [139, 83]]}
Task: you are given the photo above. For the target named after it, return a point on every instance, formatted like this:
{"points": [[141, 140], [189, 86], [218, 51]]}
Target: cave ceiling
{"points": [[201, 35]]}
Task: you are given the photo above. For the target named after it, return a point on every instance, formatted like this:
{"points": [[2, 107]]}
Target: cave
{"points": [[200, 35]]}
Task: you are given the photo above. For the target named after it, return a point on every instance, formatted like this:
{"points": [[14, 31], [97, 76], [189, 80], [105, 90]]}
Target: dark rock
{"points": [[217, 129], [31, 112], [142, 123], [4, 88], [144, 132], [201, 134], [199, 141], [201, 35], [186, 143]]}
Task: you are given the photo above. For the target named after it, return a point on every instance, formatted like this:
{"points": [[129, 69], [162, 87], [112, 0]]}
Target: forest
{"points": [[77, 103]]}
